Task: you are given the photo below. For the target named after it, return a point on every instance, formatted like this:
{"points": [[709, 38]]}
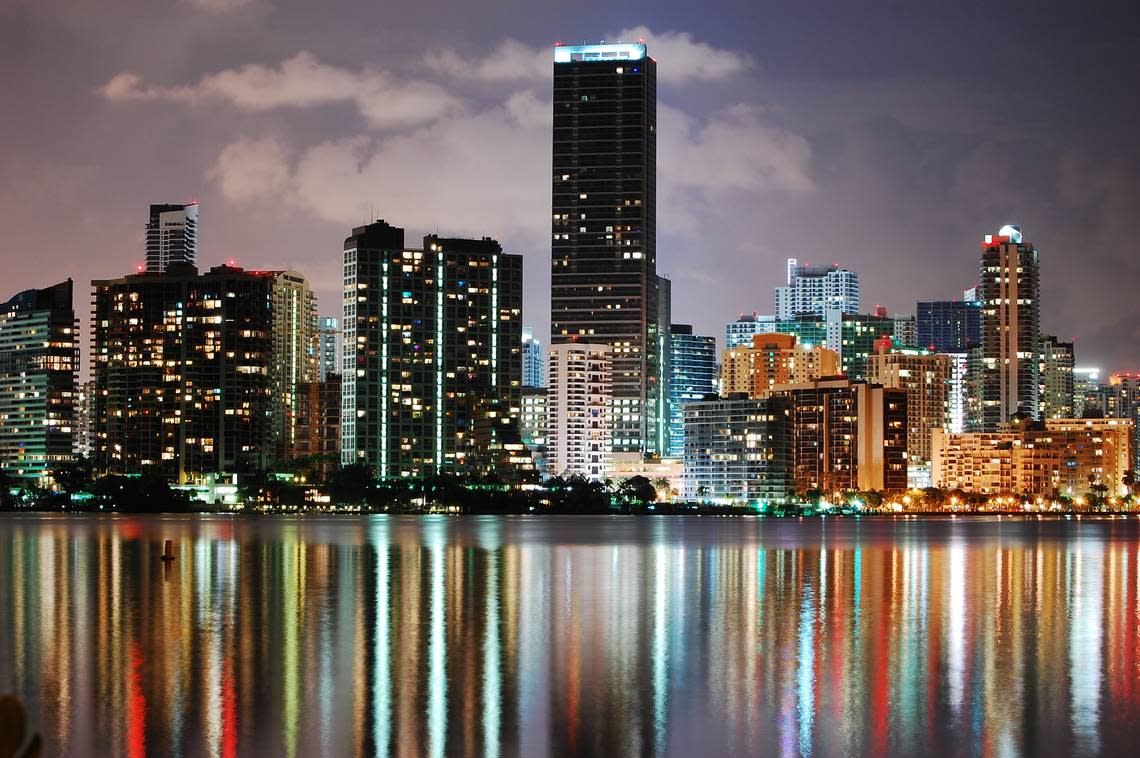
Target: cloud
{"points": [[683, 60], [221, 6], [299, 82]]}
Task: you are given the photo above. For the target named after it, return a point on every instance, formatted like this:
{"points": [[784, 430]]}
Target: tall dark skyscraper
{"points": [[432, 353], [949, 326], [171, 235], [604, 283], [1005, 370], [692, 375]]}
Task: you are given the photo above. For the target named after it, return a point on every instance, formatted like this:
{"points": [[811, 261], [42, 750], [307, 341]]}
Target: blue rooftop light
{"points": [[621, 51]]}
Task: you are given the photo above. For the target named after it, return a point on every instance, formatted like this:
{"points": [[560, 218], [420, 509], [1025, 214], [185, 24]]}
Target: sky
{"points": [[888, 137]]}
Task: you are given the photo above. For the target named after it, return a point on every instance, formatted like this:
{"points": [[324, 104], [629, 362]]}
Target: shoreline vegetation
{"points": [[352, 489]]}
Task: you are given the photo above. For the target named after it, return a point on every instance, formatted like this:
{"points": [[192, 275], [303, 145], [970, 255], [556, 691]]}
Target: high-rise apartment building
{"points": [[533, 423], [316, 423], [533, 372], [1122, 400], [579, 439], [604, 283], [294, 350], [330, 347], [815, 290], [1006, 370], [948, 326], [84, 438], [39, 355], [739, 450], [1089, 392], [926, 378], [171, 236], [741, 331], [692, 376], [773, 360], [847, 435], [433, 352], [1056, 362], [183, 365]]}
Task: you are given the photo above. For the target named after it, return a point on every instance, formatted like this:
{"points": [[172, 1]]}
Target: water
{"points": [[573, 636]]}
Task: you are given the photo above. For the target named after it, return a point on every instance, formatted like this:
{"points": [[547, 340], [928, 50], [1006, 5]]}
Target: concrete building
{"points": [[579, 439], [39, 356], [1007, 367], [1090, 394], [171, 236], [948, 326], [433, 353], [295, 351], [816, 290], [748, 325], [773, 359], [533, 423], [926, 378], [847, 435], [317, 423], [1122, 400], [1036, 459], [739, 451], [1056, 362], [533, 368], [330, 348]]}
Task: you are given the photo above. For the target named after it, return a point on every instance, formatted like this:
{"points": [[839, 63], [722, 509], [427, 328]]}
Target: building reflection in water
{"points": [[500, 637]]}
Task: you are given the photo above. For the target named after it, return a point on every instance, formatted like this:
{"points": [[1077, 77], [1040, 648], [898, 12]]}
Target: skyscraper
{"points": [[579, 402], [772, 360], [183, 365], [815, 290], [604, 283], [692, 375], [39, 354], [433, 352], [330, 349], [171, 235], [294, 351], [1006, 371], [1056, 364], [532, 365]]}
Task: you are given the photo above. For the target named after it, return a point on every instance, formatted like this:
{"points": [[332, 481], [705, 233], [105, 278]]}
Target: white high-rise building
{"points": [[171, 235], [532, 373], [814, 290], [579, 436], [330, 347]]}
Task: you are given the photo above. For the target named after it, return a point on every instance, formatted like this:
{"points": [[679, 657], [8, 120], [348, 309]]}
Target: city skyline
{"points": [[765, 105]]}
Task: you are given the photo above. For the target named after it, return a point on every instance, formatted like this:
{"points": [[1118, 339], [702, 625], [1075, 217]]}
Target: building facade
{"points": [[604, 283], [533, 423], [433, 353], [182, 365], [1122, 400], [579, 438], [948, 326], [1056, 362], [1007, 370], [330, 347], [317, 424], [772, 360], [816, 290], [739, 451], [295, 353], [171, 236], [692, 376], [533, 367], [39, 356], [926, 378], [847, 435]]}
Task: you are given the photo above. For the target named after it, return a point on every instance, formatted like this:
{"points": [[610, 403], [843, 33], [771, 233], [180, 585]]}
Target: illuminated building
{"points": [[926, 379], [847, 435], [330, 347], [1089, 392], [316, 432], [533, 424], [816, 290], [741, 331], [532, 367], [739, 450], [183, 365], [39, 353], [948, 326], [905, 330], [84, 419], [579, 437], [433, 352], [604, 283], [773, 359], [171, 236], [1006, 365], [1055, 371], [295, 356], [692, 375], [1122, 400], [1036, 459]]}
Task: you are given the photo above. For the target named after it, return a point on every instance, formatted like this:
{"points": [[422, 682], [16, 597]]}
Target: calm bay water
{"points": [[573, 636]]}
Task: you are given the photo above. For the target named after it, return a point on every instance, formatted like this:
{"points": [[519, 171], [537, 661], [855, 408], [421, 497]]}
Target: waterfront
{"points": [[502, 636]]}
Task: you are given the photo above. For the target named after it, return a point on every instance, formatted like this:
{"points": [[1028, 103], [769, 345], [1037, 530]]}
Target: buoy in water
{"points": [[168, 550]]}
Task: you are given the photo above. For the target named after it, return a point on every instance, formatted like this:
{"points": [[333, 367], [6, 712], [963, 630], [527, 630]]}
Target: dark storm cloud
{"points": [[886, 136]]}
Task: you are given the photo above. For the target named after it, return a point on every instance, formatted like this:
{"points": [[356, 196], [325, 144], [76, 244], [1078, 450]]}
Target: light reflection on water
{"points": [[618, 636]]}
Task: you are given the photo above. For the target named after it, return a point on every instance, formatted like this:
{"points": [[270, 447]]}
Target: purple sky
{"points": [[889, 137]]}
